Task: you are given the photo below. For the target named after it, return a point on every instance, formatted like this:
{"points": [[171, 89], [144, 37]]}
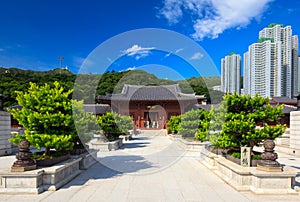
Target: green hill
{"points": [[14, 79]]}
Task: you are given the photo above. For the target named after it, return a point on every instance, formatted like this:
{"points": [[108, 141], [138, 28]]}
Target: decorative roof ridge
{"points": [[290, 106]]}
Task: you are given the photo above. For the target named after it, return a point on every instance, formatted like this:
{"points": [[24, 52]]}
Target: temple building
{"points": [[151, 106]]}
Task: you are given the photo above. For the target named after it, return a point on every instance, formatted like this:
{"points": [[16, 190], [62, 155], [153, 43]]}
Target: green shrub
{"points": [[243, 114], [113, 125], [195, 123], [174, 124], [46, 115]]}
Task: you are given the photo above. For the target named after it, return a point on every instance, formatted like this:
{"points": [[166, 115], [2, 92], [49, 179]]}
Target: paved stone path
{"points": [[148, 168]]}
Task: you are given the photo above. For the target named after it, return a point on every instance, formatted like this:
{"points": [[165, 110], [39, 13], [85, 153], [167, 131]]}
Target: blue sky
{"points": [[35, 33]]}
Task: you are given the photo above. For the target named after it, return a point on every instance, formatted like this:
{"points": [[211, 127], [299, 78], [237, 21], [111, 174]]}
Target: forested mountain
{"points": [[13, 79]]}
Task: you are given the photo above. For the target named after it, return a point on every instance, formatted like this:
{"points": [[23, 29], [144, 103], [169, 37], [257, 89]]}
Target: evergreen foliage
{"points": [[85, 124], [174, 124], [195, 123], [90, 85], [243, 115], [113, 125], [46, 115]]}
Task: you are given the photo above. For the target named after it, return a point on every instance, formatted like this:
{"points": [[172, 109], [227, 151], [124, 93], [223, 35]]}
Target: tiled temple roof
{"points": [[151, 93], [96, 108]]}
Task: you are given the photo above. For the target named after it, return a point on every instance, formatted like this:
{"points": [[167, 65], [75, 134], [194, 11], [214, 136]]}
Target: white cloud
{"points": [[168, 54], [128, 69], [213, 17], [131, 68], [196, 56], [177, 51], [137, 51]]}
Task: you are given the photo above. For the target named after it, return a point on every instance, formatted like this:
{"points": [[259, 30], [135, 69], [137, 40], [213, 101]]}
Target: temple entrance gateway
{"points": [[151, 106]]}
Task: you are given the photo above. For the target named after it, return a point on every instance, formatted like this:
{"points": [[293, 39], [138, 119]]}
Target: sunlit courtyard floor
{"points": [[148, 168]]}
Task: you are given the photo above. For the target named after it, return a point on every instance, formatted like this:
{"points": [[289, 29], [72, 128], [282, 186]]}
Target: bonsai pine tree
{"points": [[46, 115], [85, 123], [195, 123], [113, 125], [174, 124], [243, 116], [124, 123]]}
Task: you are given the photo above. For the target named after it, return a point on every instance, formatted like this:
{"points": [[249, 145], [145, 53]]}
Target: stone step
{"points": [[153, 132]]}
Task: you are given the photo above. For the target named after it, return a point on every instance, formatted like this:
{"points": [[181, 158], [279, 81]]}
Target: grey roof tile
{"points": [[151, 93]]}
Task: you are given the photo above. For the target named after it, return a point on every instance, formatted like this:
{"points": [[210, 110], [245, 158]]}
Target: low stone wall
{"points": [[29, 182], [5, 133], [189, 145], [56, 176], [249, 178], [88, 159], [45, 179], [107, 146]]}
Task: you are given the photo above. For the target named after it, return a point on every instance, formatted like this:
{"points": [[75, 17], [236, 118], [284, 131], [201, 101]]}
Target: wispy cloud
{"points": [[138, 51], [2, 49], [131, 68], [128, 69], [196, 56], [177, 51], [213, 17]]}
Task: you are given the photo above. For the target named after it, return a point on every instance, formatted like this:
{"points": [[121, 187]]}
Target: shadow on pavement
{"points": [[134, 145], [110, 167]]}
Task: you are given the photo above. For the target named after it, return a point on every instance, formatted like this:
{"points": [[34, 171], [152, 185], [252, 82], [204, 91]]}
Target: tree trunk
{"points": [[47, 151]]}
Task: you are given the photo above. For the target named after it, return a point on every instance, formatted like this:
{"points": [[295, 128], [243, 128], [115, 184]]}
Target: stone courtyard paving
{"points": [[148, 168]]}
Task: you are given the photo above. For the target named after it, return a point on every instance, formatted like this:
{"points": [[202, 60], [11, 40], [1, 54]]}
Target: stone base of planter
{"points": [[269, 169], [37, 181], [249, 178], [22, 169], [53, 161], [238, 161], [192, 146], [107, 146], [88, 159]]}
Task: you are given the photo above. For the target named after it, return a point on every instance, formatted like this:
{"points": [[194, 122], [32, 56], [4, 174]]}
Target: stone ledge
{"points": [[58, 175], [189, 145], [39, 180], [107, 146], [89, 158], [251, 179], [209, 159]]}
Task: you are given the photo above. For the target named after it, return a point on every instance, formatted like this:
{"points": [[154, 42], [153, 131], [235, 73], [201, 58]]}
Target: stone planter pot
{"points": [[77, 151], [238, 161], [107, 146], [52, 161]]}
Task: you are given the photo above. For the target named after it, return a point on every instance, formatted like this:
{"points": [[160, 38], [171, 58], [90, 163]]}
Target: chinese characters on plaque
{"points": [[245, 156]]}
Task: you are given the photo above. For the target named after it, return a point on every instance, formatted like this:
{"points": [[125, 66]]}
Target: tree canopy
{"points": [[46, 115], [88, 86]]}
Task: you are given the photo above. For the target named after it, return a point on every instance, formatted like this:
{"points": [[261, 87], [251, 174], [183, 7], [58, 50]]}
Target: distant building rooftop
{"points": [[284, 100]]}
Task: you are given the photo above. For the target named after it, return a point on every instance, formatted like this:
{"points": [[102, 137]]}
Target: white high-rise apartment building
{"points": [[298, 78], [271, 65], [231, 73]]}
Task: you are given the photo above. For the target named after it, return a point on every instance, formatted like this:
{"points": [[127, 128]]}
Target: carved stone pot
{"points": [[268, 162], [24, 160]]}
